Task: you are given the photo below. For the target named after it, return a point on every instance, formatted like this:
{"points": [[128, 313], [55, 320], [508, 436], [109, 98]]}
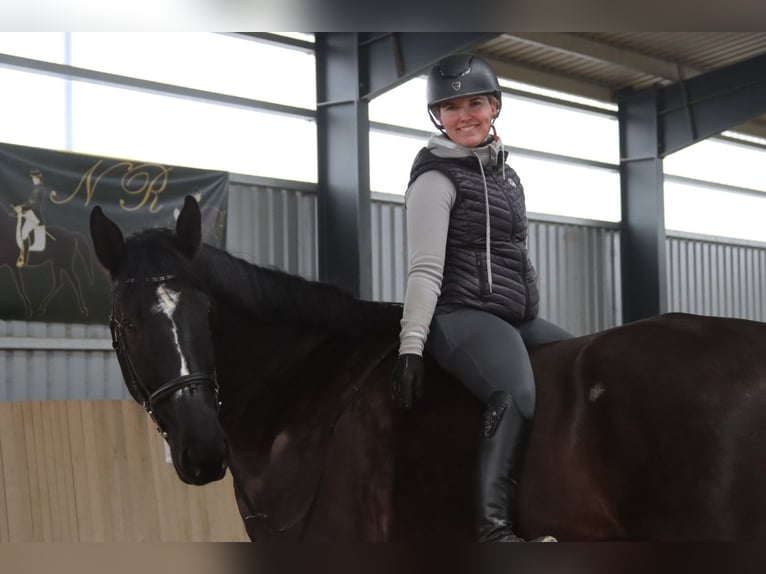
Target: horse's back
{"points": [[650, 431]]}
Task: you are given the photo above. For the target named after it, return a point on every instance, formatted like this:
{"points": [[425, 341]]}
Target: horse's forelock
{"points": [[153, 253]]}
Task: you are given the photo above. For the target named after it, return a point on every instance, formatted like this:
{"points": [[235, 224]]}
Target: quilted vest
{"points": [[514, 294]]}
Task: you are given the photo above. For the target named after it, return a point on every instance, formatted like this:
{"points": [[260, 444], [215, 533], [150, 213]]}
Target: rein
{"points": [[305, 514], [150, 400]]}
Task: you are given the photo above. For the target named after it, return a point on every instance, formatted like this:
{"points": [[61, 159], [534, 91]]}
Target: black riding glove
{"points": [[408, 380]]}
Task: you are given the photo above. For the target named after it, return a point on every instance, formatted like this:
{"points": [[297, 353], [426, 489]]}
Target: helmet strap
{"points": [[435, 122]]}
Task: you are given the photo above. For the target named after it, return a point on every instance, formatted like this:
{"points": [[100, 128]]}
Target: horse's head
{"points": [[161, 332]]}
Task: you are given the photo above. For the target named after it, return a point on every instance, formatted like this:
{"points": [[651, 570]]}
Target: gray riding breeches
{"points": [[487, 354]]}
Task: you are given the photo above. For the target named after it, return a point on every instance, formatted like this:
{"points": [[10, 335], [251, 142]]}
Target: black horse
{"points": [[67, 255], [649, 431]]}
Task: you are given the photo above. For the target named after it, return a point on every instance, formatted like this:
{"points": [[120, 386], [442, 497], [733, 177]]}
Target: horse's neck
{"points": [[267, 369], [253, 358], [275, 296]]}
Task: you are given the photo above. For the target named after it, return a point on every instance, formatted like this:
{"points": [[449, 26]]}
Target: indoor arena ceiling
{"points": [[600, 64]]}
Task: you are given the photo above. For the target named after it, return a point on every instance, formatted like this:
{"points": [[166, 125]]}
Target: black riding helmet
{"points": [[457, 76]]}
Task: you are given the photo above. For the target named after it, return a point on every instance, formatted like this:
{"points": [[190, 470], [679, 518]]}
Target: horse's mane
{"points": [[265, 293]]}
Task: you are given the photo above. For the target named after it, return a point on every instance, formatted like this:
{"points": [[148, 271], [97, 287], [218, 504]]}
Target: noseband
{"points": [[148, 399]]}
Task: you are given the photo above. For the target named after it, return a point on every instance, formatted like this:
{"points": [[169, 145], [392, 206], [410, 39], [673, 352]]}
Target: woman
{"points": [[471, 294]]}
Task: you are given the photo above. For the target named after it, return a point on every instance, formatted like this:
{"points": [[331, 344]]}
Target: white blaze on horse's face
{"points": [[167, 302]]}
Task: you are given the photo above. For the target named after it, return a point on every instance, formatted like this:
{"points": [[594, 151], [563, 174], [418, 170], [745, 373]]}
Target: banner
{"points": [[48, 268]]}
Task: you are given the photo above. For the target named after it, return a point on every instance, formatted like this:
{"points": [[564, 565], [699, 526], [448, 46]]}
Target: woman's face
{"points": [[467, 120]]}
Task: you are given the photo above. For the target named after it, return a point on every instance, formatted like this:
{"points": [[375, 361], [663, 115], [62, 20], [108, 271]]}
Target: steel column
{"points": [[642, 231], [344, 176]]}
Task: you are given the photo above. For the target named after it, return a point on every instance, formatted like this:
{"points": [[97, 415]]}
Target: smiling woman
{"points": [[472, 291]]}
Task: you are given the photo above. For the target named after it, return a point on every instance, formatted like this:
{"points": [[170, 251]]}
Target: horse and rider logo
{"points": [[62, 253], [30, 228]]}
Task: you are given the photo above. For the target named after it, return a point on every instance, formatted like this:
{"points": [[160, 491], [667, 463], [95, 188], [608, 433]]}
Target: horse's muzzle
{"points": [[199, 473]]}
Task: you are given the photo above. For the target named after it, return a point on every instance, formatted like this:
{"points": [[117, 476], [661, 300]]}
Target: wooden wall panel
{"points": [[95, 471]]}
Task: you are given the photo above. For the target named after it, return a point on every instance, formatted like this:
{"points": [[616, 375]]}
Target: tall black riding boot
{"points": [[500, 450]]}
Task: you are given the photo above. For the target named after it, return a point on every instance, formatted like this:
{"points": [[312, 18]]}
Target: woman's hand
{"points": [[408, 380]]}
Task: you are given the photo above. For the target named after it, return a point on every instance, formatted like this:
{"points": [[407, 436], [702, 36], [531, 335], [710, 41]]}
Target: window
{"points": [[719, 161], [391, 156], [120, 122], [712, 209], [218, 63], [404, 106], [33, 109], [569, 189], [98, 118], [553, 128]]}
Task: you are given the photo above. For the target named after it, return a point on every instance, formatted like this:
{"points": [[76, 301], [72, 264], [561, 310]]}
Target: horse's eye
{"points": [[128, 327]]}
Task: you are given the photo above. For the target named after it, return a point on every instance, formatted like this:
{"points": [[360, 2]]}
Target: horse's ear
{"points": [[189, 227], [107, 240]]}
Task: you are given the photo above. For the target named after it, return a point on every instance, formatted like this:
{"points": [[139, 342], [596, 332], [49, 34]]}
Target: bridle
{"points": [[150, 400]]}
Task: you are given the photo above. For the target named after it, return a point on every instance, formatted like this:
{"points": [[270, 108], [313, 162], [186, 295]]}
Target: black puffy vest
{"points": [[514, 296]]}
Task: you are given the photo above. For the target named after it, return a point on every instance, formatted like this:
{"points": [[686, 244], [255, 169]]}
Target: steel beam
{"points": [[395, 57], [706, 105]]}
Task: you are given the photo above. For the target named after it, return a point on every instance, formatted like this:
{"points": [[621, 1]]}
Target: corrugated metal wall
{"points": [[578, 269], [725, 277], [270, 224], [389, 248], [56, 361]]}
